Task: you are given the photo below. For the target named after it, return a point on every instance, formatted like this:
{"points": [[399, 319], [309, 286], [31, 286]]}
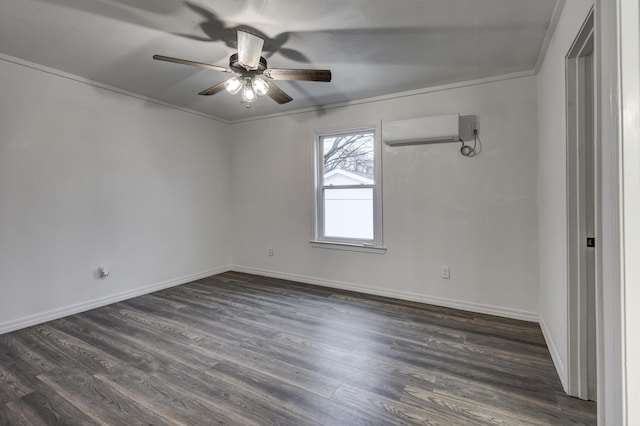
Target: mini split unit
{"points": [[435, 128]]}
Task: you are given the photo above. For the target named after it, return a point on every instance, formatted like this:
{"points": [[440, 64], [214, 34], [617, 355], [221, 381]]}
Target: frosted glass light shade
{"points": [[259, 86], [233, 85], [248, 94]]}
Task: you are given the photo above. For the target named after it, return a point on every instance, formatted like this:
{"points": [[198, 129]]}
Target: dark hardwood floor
{"points": [[241, 349]]}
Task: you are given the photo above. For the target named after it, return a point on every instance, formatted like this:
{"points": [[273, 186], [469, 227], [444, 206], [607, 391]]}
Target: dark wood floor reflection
{"points": [[241, 349]]}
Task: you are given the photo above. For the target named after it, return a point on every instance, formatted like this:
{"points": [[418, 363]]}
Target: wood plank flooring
{"points": [[241, 349]]}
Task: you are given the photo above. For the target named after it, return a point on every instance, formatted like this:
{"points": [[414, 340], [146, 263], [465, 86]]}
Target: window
{"points": [[348, 190]]}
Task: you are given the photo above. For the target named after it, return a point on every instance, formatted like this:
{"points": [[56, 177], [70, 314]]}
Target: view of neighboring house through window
{"points": [[347, 187]]}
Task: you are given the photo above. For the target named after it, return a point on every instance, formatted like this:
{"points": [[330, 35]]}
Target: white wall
{"points": [[476, 215], [90, 177], [552, 183]]}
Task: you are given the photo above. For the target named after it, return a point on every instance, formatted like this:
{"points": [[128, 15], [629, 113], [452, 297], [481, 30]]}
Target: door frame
{"points": [[577, 312], [618, 51], [629, 97]]}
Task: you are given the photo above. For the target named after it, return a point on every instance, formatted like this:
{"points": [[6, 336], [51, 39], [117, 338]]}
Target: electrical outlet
{"points": [[270, 251], [103, 272], [445, 272]]}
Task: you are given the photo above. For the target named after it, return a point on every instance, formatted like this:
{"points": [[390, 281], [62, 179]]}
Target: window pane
{"points": [[348, 159], [348, 213]]}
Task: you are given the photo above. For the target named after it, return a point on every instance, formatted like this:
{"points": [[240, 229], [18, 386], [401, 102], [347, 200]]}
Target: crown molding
{"points": [[96, 84], [391, 96], [397, 95]]}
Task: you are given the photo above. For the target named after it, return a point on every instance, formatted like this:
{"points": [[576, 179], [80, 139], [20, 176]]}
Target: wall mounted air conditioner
{"points": [[435, 128]]}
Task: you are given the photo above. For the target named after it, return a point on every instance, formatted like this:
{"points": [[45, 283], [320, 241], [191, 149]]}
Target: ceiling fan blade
{"points": [[277, 94], [213, 89], [304, 75], [249, 50], [192, 63]]}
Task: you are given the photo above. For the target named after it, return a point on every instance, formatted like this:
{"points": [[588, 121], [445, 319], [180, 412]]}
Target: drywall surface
{"points": [[476, 215], [552, 183], [93, 178]]}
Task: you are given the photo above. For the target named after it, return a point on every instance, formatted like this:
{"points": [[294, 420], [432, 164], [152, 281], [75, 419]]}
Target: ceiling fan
{"points": [[253, 75]]}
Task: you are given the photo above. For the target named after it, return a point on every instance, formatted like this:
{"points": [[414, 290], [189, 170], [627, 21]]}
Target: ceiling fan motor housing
{"points": [[237, 67]]}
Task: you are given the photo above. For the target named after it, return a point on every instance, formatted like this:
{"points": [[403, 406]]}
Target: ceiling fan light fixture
{"points": [[248, 94], [252, 72], [259, 86], [234, 84]]}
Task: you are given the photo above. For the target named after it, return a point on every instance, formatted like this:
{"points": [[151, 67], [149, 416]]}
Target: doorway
{"points": [[581, 214]]}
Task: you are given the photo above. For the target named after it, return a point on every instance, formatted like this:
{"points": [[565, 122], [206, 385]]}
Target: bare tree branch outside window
{"points": [[353, 153]]}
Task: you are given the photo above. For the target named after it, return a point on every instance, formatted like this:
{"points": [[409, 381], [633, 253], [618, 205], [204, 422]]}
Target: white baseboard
{"points": [[403, 295], [53, 314], [433, 300], [555, 355]]}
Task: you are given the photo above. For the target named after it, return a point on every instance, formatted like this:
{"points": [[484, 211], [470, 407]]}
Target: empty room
{"points": [[259, 212]]}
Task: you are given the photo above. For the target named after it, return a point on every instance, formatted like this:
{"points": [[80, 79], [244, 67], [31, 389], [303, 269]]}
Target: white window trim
{"points": [[370, 246], [348, 247]]}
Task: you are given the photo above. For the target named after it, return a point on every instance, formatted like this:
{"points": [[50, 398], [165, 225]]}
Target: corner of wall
{"points": [[558, 362], [552, 177]]}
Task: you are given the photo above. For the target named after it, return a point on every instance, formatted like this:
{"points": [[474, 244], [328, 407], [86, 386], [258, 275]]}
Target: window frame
{"points": [[341, 243]]}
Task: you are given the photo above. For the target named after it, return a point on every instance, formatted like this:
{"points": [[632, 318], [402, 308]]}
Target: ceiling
{"points": [[373, 47]]}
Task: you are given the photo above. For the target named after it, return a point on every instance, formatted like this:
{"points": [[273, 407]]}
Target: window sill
{"points": [[348, 247]]}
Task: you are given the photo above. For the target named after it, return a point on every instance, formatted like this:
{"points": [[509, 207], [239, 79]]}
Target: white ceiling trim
{"points": [[398, 95], [92, 83]]}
